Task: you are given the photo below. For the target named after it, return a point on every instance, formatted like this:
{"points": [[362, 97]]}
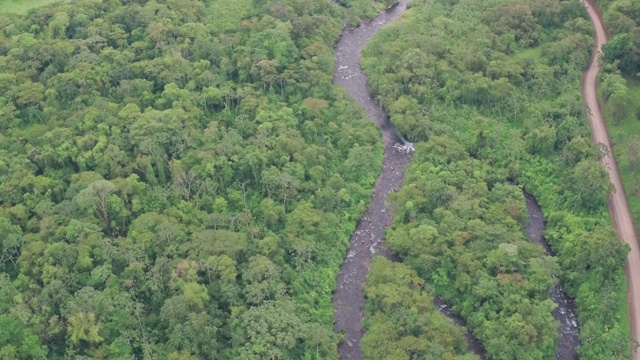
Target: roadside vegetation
{"points": [[619, 92], [403, 323], [178, 179], [491, 93]]}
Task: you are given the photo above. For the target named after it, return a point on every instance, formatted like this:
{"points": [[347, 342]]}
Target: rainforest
{"points": [[313, 179]]}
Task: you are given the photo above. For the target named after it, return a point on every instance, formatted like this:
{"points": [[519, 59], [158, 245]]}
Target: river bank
{"points": [[368, 237]]}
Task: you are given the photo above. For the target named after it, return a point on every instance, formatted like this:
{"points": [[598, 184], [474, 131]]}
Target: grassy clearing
{"points": [[21, 6], [626, 136], [227, 15], [534, 53]]}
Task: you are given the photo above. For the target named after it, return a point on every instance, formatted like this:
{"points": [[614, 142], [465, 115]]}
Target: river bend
{"points": [[368, 237]]}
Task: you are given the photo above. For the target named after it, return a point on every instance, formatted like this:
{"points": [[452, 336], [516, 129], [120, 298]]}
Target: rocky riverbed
{"points": [[368, 238], [565, 313]]}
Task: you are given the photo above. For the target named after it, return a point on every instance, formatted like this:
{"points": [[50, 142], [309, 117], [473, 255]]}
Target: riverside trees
{"points": [[619, 90], [489, 102], [404, 323]]}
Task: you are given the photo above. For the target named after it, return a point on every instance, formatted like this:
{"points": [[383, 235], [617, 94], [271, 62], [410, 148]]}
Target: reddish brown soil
{"points": [[618, 204]]}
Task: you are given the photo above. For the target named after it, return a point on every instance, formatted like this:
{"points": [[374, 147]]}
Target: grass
{"points": [[21, 6], [228, 15], [622, 312], [534, 53], [622, 135]]}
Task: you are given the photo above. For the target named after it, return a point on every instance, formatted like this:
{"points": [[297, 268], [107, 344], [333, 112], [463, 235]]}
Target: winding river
{"points": [[368, 237], [369, 234]]}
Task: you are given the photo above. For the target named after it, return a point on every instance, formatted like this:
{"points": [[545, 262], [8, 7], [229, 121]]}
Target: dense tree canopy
{"points": [[622, 18], [491, 91], [462, 230], [176, 179], [404, 323], [179, 179]]}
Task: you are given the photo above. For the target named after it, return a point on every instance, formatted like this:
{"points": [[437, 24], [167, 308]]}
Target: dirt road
{"points": [[618, 205]]}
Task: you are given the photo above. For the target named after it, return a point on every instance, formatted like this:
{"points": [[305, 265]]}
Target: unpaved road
{"points": [[618, 205], [369, 235]]}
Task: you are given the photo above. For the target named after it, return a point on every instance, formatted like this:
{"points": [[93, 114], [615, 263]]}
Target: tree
{"points": [[618, 106], [614, 88], [58, 25], [588, 185], [270, 331], [626, 49], [261, 277], [11, 242], [579, 149], [83, 326], [514, 17], [541, 141], [29, 94], [16, 342], [601, 252], [96, 198]]}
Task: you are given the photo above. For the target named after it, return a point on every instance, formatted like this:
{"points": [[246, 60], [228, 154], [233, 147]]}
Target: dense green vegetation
{"points": [[622, 18], [623, 124], [462, 230], [359, 11], [21, 6], [620, 92], [178, 179], [491, 91], [404, 323]]}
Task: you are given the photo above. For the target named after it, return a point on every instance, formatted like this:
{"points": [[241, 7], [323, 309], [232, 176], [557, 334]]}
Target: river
{"points": [[368, 238], [565, 313]]}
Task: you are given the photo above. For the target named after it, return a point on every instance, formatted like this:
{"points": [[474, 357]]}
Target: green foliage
{"points": [[178, 179], [492, 92], [589, 185], [622, 18], [22, 6], [470, 246], [359, 11], [625, 138], [402, 322], [619, 96]]}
